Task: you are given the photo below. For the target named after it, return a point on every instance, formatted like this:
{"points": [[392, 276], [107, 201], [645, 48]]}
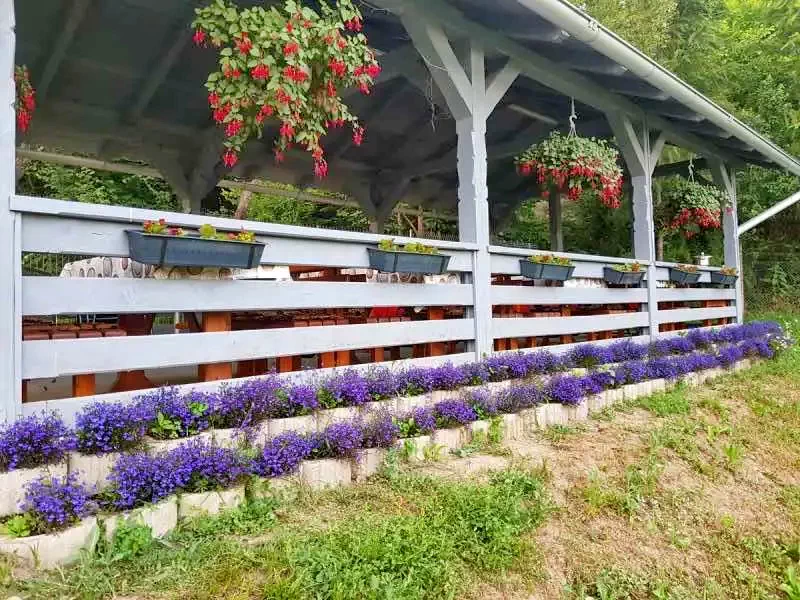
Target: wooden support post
{"points": [[436, 348], [726, 179], [216, 322]]}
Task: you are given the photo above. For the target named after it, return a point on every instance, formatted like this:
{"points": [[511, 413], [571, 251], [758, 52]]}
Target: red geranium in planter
{"points": [[289, 65]]}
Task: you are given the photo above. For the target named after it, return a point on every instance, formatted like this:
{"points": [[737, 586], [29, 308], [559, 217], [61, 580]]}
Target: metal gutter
{"points": [[582, 27], [769, 213]]}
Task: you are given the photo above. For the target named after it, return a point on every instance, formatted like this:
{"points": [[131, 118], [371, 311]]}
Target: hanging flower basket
{"points": [[25, 102], [726, 276], [685, 274], [412, 258], [574, 165], [688, 208], [624, 274], [547, 267], [159, 244], [290, 66]]}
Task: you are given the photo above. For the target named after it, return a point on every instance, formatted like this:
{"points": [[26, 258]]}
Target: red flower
{"points": [[199, 37], [364, 88], [287, 130], [337, 67], [29, 101], [266, 110], [231, 73], [244, 45], [289, 26], [331, 89], [545, 194], [283, 97], [290, 48], [373, 70], [295, 74], [222, 112], [353, 24], [279, 156], [234, 127], [358, 135], [320, 168], [525, 169], [341, 43], [230, 158], [259, 72], [317, 153], [23, 120], [213, 99]]}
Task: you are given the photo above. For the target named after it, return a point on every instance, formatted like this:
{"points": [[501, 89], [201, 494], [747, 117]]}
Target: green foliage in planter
{"points": [[550, 259], [413, 247], [634, 267]]}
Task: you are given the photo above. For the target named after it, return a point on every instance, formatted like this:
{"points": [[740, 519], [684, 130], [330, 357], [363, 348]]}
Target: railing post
{"points": [[641, 156], [726, 179], [10, 255], [471, 99]]}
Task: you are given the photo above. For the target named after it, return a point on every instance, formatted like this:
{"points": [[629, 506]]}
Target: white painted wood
{"points": [[585, 266], [687, 315], [526, 327], [564, 348], [511, 294], [499, 83], [54, 295], [726, 179], [10, 320], [689, 295], [52, 358], [69, 407]]}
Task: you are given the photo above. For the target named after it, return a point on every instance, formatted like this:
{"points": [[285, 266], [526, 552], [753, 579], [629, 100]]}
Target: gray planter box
{"points": [[718, 277], [550, 272], [622, 277], [407, 262], [192, 251], [684, 277]]}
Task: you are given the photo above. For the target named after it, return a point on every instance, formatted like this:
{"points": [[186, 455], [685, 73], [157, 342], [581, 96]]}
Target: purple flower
{"points": [[282, 455], [348, 388], [632, 371], [416, 381], [57, 502], [172, 415], [475, 373], [339, 440], [420, 421], [624, 350], [730, 354], [597, 382], [110, 427], [658, 368], [519, 397], [380, 431], [447, 377], [34, 441], [483, 402], [253, 401], [197, 466], [382, 383], [701, 338], [565, 390], [544, 361], [451, 413], [589, 356], [137, 479]]}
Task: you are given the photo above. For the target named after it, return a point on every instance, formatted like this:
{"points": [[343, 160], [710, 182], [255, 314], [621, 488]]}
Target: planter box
{"points": [[301, 425], [209, 503], [630, 391], [92, 469], [161, 518], [622, 277], [407, 262], [12, 485], [658, 386], [192, 251], [727, 280], [530, 419], [405, 404], [550, 272], [512, 427], [336, 415], [155, 446], [378, 407], [577, 412], [684, 277], [54, 549], [449, 439], [596, 402], [414, 447], [325, 473], [367, 463], [551, 414], [229, 438]]}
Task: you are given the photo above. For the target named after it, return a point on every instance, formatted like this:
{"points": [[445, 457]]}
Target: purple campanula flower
{"points": [[339, 440], [57, 502], [282, 455], [566, 389], [382, 383], [103, 427], [419, 421], [197, 466], [33, 441], [624, 350], [380, 430], [451, 413]]}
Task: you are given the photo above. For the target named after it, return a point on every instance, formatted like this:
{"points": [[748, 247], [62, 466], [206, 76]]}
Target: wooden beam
{"points": [[75, 14]]}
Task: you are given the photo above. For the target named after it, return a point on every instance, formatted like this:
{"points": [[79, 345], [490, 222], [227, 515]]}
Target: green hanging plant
{"points": [[575, 164], [688, 208]]}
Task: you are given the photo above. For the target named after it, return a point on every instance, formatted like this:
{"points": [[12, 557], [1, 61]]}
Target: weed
{"points": [[663, 404], [734, 454], [433, 452], [555, 434], [791, 584]]}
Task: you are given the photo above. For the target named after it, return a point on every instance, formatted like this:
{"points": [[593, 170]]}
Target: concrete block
{"points": [[596, 402], [161, 518], [53, 549], [157, 446], [301, 425], [481, 427], [336, 415], [530, 419], [658, 385], [93, 469], [12, 485], [367, 463], [325, 473], [630, 391], [405, 404], [376, 407], [209, 503], [513, 428], [260, 488], [230, 438], [413, 448], [577, 412], [449, 439], [551, 414]]}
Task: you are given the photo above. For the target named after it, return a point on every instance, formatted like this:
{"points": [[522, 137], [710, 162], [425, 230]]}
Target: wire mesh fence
{"points": [[771, 275]]}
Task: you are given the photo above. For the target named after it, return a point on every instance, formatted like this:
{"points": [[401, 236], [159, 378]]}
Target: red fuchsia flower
{"points": [[222, 112], [230, 158], [364, 88], [30, 102], [358, 135], [287, 130], [283, 97], [373, 70], [525, 169], [213, 99], [279, 156], [234, 127], [244, 45], [545, 194], [295, 74], [338, 67], [317, 153], [199, 37], [23, 120], [290, 48], [341, 43], [260, 72], [320, 168], [353, 24], [289, 26], [331, 89], [266, 110], [231, 73]]}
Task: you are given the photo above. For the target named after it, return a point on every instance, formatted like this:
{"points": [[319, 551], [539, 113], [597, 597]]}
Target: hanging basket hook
{"points": [[572, 118]]}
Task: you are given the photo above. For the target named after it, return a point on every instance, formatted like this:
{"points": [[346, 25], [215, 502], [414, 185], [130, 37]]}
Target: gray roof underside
{"points": [[106, 89]]}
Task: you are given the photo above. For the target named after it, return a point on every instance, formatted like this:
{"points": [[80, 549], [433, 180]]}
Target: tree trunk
{"points": [[244, 205], [659, 246]]}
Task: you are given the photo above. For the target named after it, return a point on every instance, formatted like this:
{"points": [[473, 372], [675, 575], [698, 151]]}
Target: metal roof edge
{"points": [[589, 31]]}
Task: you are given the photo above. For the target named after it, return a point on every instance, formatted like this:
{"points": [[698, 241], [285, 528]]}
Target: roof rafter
{"points": [[75, 14]]}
